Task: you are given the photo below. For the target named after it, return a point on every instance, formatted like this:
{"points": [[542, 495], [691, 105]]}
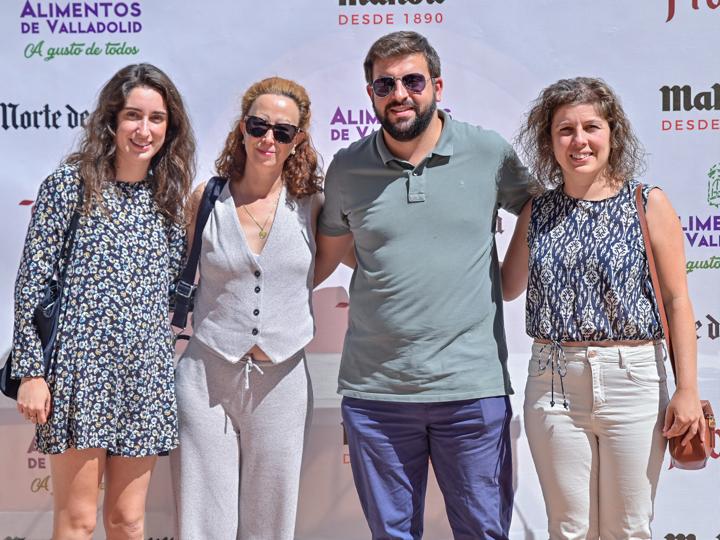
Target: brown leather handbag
{"points": [[695, 453]]}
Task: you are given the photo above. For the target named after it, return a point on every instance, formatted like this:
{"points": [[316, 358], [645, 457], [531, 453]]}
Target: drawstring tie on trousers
{"points": [[557, 362], [249, 366]]}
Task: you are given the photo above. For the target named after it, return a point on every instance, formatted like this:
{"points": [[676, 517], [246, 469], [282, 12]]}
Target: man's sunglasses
{"points": [[282, 133], [414, 83]]}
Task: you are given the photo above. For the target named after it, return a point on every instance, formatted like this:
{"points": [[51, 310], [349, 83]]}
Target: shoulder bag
{"points": [[695, 453], [46, 313]]}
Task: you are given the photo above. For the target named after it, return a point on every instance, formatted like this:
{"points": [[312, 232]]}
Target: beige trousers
{"points": [[599, 460]]}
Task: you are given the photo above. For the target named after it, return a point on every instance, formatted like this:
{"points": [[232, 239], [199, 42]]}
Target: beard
{"points": [[409, 129]]}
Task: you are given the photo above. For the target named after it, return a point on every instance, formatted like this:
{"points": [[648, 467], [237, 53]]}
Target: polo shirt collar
{"points": [[444, 146]]}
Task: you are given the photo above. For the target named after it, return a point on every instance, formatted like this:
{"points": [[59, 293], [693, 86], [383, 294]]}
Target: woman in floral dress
{"points": [[110, 391]]}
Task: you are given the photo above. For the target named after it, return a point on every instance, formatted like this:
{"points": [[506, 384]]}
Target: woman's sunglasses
{"points": [[282, 133], [413, 83]]}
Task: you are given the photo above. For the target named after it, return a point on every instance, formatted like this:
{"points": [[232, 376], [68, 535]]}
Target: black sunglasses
{"points": [[282, 133], [413, 83]]}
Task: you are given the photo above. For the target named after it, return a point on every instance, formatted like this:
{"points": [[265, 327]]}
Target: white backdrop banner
{"points": [[659, 55]]}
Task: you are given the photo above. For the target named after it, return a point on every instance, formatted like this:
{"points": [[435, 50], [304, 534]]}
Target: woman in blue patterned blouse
{"points": [[591, 309], [107, 406]]}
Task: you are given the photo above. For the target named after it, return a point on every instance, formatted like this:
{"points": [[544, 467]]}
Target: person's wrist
{"points": [[690, 389]]}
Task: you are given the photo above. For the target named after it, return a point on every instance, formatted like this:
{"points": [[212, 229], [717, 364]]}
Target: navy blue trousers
{"points": [[468, 443]]}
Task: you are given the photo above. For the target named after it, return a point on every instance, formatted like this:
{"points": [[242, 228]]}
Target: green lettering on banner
{"points": [[79, 48], [34, 49], [713, 197]]}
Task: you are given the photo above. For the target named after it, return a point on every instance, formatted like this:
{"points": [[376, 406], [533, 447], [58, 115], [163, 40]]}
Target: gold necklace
{"points": [[263, 233]]}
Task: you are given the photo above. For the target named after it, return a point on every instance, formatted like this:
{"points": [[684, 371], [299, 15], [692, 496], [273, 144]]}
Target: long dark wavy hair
{"points": [[172, 169], [627, 156], [301, 171]]}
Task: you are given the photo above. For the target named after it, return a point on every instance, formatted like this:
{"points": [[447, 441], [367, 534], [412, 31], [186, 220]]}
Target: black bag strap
{"points": [[186, 284], [69, 240], [68, 247]]}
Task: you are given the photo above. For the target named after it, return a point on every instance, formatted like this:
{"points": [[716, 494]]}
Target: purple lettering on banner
{"points": [[29, 28], [338, 117], [82, 17], [28, 10], [353, 118], [700, 223]]}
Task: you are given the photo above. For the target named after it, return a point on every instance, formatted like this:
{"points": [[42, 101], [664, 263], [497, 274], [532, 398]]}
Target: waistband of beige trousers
{"points": [[608, 343]]}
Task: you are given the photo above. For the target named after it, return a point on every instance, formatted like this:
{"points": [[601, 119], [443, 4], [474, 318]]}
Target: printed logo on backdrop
{"points": [[39, 465], [690, 108], [402, 12], [14, 116], [348, 125], [352, 124], [708, 328], [703, 231], [702, 6], [71, 29]]}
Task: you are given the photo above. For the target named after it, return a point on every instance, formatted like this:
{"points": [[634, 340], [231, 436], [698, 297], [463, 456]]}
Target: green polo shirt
{"points": [[425, 321]]}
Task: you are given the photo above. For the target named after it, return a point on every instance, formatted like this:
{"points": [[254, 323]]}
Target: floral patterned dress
{"points": [[112, 380]]}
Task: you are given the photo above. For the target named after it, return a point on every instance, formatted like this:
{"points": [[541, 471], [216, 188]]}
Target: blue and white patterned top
{"points": [[589, 278]]}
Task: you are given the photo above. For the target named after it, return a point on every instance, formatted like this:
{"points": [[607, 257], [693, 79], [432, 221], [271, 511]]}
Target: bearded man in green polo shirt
{"points": [[423, 373]]}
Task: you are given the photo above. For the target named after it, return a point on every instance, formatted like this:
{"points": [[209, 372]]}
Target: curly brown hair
{"points": [[172, 169], [627, 155], [301, 171]]}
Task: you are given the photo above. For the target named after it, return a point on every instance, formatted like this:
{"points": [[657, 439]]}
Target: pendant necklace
{"points": [[263, 233]]}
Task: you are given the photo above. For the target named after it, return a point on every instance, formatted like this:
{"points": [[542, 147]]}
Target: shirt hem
{"points": [[60, 448], [426, 398]]}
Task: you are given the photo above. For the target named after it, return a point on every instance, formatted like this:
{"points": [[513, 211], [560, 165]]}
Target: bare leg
{"points": [[126, 485], [76, 476]]}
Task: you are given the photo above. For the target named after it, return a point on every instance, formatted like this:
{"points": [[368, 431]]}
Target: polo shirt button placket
{"points": [[416, 186]]}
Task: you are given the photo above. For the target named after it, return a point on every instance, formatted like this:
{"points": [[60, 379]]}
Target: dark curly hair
{"points": [[301, 171], [401, 43], [627, 156], [172, 169]]}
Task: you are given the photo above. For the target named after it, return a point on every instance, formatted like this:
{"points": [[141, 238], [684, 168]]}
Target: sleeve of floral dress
{"points": [[51, 215]]}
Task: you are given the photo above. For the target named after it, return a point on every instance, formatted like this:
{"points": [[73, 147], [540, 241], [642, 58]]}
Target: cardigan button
{"points": [[257, 289], [257, 273], [256, 312], [255, 331]]}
